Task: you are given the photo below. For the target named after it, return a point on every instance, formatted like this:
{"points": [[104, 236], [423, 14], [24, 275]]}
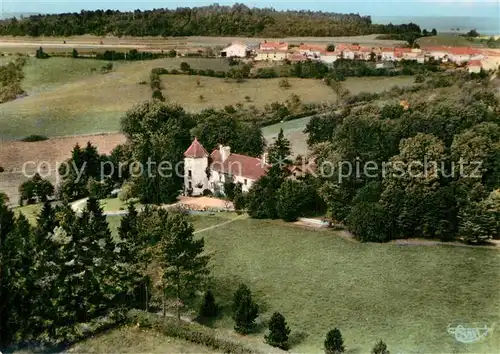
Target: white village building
{"points": [[236, 50], [210, 171]]}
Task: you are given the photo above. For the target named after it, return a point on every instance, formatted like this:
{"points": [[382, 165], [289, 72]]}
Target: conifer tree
{"points": [[130, 251], [185, 268], [208, 308], [279, 151], [334, 344], [278, 332], [6, 226], [380, 348], [16, 274], [245, 310]]}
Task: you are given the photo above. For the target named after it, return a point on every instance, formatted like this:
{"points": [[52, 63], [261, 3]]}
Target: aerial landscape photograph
{"points": [[250, 177]]}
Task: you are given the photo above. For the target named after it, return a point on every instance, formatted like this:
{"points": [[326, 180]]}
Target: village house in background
{"points": [[236, 50], [272, 51], [474, 66], [281, 51]]}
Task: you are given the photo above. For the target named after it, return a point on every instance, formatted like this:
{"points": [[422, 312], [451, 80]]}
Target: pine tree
{"points": [[245, 310], [208, 308], [129, 252], [185, 268], [278, 332], [98, 238], [17, 276], [7, 225], [380, 348], [279, 151], [334, 344]]}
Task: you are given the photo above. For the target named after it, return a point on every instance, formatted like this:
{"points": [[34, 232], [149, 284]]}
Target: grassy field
{"points": [[447, 40], [84, 103], [218, 93], [67, 99], [135, 340], [406, 295]]}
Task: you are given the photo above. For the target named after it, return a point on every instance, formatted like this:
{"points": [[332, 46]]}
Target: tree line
{"points": [[11, 75], [424, 190], [214, 20]]}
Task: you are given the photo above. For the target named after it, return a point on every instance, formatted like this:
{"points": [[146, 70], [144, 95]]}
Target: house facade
{"points": [[474, 66], [271, 55], [236, 50], [210, 171]]}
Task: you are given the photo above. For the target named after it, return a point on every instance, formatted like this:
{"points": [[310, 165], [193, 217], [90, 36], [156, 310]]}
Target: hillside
{"points": [[211, 20]]}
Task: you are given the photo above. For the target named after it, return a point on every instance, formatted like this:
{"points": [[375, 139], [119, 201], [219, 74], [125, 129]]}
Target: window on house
{"points": [[220, 178], [245, 181], [190, 185], [190, 174]]}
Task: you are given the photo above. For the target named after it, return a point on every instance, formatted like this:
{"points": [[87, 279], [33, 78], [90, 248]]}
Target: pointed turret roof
{"points": [[196, 150]]}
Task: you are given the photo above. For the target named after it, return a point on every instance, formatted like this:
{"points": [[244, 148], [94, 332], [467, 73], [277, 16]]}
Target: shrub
{"points": [[294, 199], [190, 332], [174, 72], [208, 308], [185, 67], [201, 97], [230, 109], [278, 332], [285, 84], [33, 138], [245, 310], [1, 169], [207, 193], [367, 221], [380, 348], [239, 202], [127, 192], [172, 53], [159, 71], [143, 82], [158, 95], [334, 344], [419, 79]]}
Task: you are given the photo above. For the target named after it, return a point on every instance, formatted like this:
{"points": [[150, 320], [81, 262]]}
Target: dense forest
{"points": [[214, 20]]}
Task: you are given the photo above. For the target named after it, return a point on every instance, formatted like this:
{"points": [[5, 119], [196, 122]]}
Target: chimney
{"points": [[264, 159], [225, 151]]}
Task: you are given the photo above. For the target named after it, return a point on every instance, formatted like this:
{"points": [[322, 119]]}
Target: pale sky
{"points": [[486, 8]]}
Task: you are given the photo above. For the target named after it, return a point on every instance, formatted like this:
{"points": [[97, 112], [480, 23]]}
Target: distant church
{"points": [[210, 171]]}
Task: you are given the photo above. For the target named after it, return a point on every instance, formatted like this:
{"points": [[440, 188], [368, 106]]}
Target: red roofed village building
{"points": [[474, 66], [210, 171]]}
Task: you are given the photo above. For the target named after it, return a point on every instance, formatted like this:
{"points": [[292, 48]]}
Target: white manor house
{"points": [[210, 171]]}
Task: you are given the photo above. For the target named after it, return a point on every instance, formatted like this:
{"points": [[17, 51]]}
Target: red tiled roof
{"points": [[352, 47], [463, 51], [365, 49], [313, 47], [402, 50], [238, 165], [274, 46], [387, 50], [196, 150], [474, 63]]}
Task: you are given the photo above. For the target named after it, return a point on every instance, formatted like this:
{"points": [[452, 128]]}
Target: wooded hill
{"points": [[214, 20]]}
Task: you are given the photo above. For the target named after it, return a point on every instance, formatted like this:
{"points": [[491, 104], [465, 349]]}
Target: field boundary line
{"points": [[219, 225]]}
